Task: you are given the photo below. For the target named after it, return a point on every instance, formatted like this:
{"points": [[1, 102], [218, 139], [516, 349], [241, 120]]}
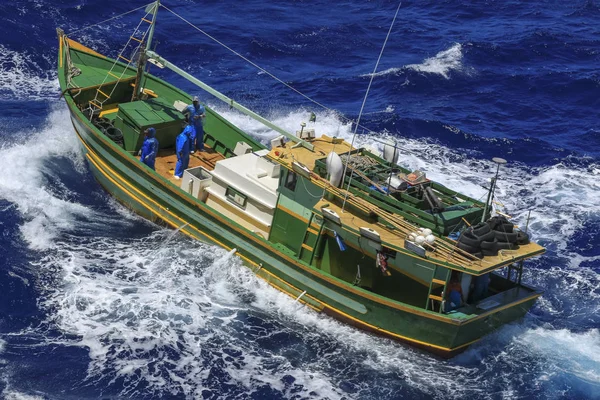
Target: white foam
{"points": [[24, 178], [9, 394], [157, 309], [22, 78], [442, 63], [163, 310]]}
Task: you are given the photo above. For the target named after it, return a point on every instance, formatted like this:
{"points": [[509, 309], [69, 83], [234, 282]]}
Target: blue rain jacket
{"points": [[195, 119], [195, 113], [182, 147], [149, 149]]}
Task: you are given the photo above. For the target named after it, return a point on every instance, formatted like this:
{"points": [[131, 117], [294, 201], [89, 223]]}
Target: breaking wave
{"points": [[161, 314], [442, 64], [22, 78]]}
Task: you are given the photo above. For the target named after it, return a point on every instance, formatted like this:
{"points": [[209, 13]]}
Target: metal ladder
{"points": [[429, 305], [134, 44]]}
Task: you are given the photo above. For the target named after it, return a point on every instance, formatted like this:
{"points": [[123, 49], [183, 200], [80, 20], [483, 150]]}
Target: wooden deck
{"points": [[323, 146], [166, 160], [395, 239]]}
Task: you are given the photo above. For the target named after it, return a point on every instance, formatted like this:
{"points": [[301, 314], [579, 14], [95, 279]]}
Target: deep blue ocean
{"points": [[97, 303]]}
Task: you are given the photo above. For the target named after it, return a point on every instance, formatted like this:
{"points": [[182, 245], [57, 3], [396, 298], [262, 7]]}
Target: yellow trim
{"points": [[293, 214], [434, 297], [504, 307], [109, 110], [60, 52], [376, 328], [104, 94], [313, 231], [90, 155], [307, 247], [438, 281], [78, 46], [429, 315]]}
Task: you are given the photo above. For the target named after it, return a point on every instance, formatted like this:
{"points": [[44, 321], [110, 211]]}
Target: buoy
{"points": [[335, 169], [430, 239], [420, 239], [427, 232]]}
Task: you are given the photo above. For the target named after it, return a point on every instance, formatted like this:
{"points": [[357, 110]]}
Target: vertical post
{"points": [[499, 161], [151, 34], [139, 85]]}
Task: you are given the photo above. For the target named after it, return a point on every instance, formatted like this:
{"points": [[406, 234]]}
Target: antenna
{"points": [[362, 108]]}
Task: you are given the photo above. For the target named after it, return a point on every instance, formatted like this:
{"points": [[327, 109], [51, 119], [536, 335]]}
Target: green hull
{"points": [[155, 198]]}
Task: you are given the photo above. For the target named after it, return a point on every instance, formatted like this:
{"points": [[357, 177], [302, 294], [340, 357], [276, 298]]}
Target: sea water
{"points": [[96, 302]]}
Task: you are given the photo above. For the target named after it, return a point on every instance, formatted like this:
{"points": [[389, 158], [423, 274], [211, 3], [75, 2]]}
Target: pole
{"points": [[232, 103], [499, 161]]}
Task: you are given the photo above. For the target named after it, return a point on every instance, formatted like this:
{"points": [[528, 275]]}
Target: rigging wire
{"points": [[346, 119], [363, 105], [324, 107], [110, 19]]}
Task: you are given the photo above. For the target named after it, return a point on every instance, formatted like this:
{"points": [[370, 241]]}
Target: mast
{"points": [[139, 80], [158, 60]]}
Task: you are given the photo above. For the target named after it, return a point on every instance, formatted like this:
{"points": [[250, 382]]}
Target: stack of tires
{"points": [[487, 238], [478, 240], [106, 127]]}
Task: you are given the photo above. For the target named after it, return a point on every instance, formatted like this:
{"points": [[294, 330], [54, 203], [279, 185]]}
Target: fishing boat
{"points": [[344, 230]]}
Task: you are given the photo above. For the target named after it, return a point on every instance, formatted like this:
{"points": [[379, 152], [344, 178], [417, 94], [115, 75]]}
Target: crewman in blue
{"points": [[196, 113], [182, 147], [149, 148]]}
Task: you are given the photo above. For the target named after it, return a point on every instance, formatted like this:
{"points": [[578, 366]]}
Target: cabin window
{"points": [[236, 197], [291, 180]]}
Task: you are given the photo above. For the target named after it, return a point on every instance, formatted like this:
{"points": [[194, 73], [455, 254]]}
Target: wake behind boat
{"points": [[344, 230]]}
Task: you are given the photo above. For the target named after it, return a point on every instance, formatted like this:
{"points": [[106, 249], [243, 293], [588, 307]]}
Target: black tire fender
{"points": [[488, 237], [467, 238], [467, 248], [507, 246], [490, 245], [522, 238], [480, 229], [489, 252], [506, 237]]}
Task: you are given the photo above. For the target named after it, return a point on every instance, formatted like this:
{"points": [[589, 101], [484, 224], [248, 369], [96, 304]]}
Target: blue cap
{"points": [[150, 132]]}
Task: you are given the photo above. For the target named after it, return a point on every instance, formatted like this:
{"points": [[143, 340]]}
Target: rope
{"points": [[110, 19], [364, 102]]}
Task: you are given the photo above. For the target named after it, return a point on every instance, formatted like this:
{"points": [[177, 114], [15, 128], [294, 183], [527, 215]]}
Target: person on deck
{"points": [[480, 287], [196, 113], [182, 147], [149, 148], [455, 295]]}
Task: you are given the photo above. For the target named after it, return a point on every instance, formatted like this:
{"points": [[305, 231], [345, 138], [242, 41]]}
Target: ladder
{"points": [[431, 298], [133, 45], [310, 240]]}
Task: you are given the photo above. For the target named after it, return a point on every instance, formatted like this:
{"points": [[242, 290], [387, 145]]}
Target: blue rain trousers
{"points": [[196, 120]]}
